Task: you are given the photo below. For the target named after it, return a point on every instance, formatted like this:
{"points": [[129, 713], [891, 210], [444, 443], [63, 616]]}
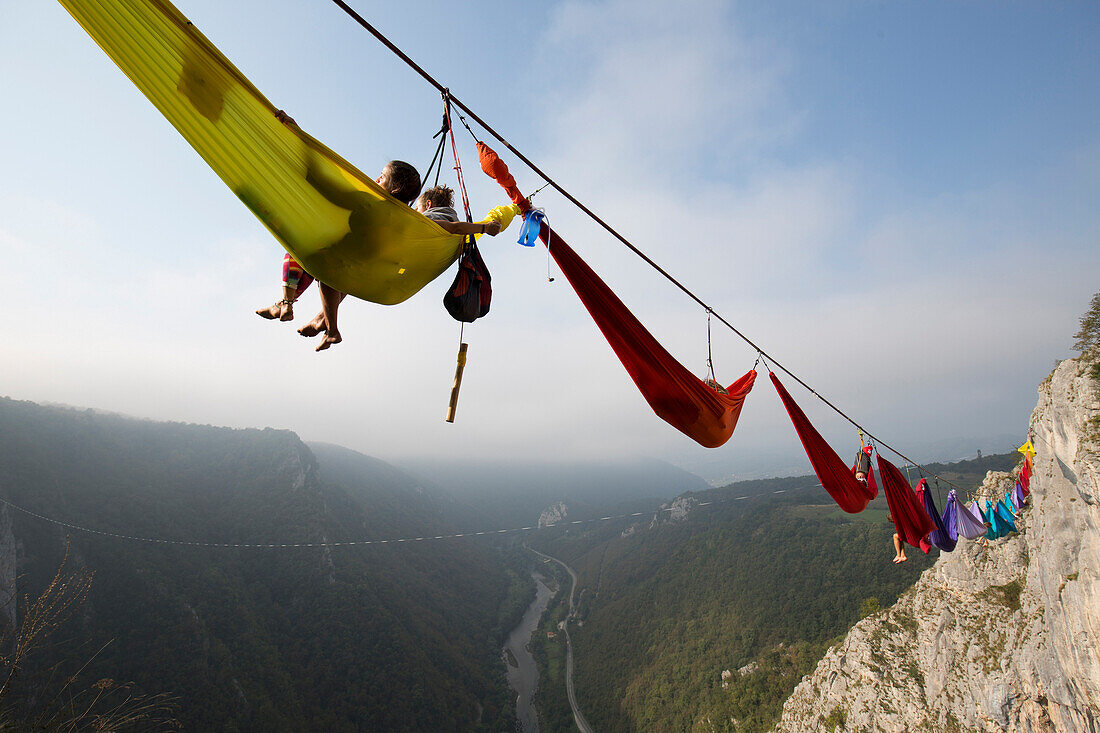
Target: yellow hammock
{"points": [[338, 223]]}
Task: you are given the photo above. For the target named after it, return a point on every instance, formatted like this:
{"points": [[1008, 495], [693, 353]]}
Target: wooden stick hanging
{"points": [[453, 407]]}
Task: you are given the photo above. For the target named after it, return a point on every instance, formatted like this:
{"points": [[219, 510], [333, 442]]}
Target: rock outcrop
{"points": [[674, 511], [553, 515], [996, 636]]}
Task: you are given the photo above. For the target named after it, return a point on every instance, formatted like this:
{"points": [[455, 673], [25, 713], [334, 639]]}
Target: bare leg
{"points": [[899, 549], [283, 310], [330, 306], [315, 326]]}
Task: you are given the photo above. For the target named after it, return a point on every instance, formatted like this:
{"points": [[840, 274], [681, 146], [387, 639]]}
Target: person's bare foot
{"points": [[271, 312], [331, 337], [283, 311], [314, 327]]}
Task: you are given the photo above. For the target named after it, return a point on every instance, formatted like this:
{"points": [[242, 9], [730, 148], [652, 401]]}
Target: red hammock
{"points": [[677, 396], [851, 495], [1025, 476], [910, 519]]}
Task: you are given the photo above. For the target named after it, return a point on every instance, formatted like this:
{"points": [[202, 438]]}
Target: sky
{"points": [[896, 200]]}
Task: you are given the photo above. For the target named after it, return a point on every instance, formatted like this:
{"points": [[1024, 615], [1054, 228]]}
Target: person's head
{"points": [[401, 180], [434, 197], [861, 476]]}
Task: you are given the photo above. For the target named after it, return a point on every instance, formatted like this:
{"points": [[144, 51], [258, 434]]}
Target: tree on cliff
{"points": [[1088, 337]]}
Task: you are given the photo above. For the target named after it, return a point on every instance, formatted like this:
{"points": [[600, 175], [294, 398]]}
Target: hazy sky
{"points": [[898, 200]]}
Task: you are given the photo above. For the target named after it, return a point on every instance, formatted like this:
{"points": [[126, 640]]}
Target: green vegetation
{"points": [[1088, 335], [869, 607], [548, 648], [391, 637], [1091, 429], [759, 587], [666, 610], [74, 702], [836, 719], [407, 636], [1008, 594], [1088, 343], [751, 699], [972, 472]]}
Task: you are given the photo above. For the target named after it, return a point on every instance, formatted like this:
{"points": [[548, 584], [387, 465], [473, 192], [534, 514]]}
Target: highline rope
{"points": [[572, 199]]}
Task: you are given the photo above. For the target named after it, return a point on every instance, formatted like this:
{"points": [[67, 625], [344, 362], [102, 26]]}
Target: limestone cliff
{"points": [[996, 636]]}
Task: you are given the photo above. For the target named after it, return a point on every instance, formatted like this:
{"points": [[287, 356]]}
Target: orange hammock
{"points": [[677, 396]]}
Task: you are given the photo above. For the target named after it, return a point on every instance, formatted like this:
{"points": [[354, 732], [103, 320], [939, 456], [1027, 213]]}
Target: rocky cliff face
{"points": [[996, 636]]}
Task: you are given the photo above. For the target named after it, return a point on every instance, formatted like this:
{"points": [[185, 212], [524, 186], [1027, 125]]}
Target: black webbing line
{"points": [[467, 126], [596, 218], [710, 354], [458, 165], [442, 135]]}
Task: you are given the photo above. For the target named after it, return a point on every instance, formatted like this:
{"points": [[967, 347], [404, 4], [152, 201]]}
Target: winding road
{"points": [[578, 716]]}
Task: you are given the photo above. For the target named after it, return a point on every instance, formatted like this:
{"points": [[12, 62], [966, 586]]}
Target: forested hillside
{"points": [[760, 585], [382, 637], [407, 636]]}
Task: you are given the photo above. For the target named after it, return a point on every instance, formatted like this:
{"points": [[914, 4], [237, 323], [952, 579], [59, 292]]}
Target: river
{"points": [[523, 674], [578, 716]]}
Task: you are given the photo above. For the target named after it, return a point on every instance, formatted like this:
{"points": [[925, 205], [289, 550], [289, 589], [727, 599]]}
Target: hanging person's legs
{"points": [[899, 548], [330, 306], [295, 282], [318, 324]]}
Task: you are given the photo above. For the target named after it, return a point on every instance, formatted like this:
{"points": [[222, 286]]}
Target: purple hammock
{"points": [[967, 521], [946, 534], [1019, 498]]}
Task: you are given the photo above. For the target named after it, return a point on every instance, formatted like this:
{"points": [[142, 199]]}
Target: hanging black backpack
{"points": [[469, 295]]}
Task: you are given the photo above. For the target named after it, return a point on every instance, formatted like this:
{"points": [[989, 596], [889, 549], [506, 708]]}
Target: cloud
{"points": [[668, 87]]}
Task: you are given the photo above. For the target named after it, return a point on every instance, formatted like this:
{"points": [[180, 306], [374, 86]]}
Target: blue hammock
{"points": [[991, 519], [1008, 524]]}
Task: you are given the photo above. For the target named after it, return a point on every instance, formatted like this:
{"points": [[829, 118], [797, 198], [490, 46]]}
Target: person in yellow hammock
{"points": [[436, 204], [402, 181], [398, 178]]}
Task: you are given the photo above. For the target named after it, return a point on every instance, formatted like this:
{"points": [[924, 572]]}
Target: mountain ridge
{"points": [[394, 637]]}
